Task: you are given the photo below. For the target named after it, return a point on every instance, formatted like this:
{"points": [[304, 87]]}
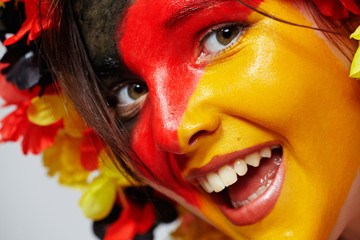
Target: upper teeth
{"points": [[227, 175]]}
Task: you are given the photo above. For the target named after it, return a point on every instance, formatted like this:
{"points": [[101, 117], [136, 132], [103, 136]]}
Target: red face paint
{"points": [[160, 43]]}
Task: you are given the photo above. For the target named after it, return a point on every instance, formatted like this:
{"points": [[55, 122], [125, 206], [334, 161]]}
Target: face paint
{"points": [[210, 108], [97, 22], [163, 53]]}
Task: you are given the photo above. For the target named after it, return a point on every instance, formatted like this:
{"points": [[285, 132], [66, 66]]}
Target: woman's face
{"points": [[227, 88]]}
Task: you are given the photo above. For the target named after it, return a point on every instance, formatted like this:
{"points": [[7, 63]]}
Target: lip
{"points": [[257, 209], [218, 161]]}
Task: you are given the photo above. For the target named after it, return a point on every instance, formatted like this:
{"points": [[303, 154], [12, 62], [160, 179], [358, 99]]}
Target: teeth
{"points": [[261, 190], [240, 167], [252, 197], [206, 186], [274, 146], [265, 152], [215, 182], [239, 204], [253, 159], [227, 175]]}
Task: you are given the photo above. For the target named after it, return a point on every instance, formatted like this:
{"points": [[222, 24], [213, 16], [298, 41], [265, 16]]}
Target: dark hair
{"points": [[67, 55]]}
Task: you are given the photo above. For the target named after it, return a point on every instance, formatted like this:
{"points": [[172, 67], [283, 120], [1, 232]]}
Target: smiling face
{"points": [[249, 122]]}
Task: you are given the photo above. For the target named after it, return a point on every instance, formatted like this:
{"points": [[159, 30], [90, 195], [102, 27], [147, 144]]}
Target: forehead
{"points": [[172, 13], [156, 29], [99, 22]]}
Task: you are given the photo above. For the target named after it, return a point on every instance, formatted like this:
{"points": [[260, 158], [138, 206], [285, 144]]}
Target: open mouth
{"points": [[246, 185]]}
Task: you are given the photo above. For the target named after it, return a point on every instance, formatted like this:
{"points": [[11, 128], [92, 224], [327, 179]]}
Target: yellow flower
{"points": [[111, 169], [74, 124], [48, 109], [99, 198], [63, 158], [45, 110], [355, 66]]}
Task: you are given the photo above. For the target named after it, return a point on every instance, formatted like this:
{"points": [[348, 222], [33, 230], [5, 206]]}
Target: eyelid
{"points": [[117, 85], [127, 111]]}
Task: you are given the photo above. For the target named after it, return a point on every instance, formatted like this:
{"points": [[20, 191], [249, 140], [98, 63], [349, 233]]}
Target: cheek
{"points": [[158, 168]]}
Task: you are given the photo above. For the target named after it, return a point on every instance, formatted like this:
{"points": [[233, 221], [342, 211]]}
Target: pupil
{"points": [[136, 91], [226, 33], [138, 88]]}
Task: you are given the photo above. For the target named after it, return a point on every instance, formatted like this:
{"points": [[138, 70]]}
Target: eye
{"points": [[131, 93], [220, 38], [128, 99]]}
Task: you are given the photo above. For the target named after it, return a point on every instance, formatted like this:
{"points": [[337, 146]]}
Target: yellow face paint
{"points": [[279, 84]]}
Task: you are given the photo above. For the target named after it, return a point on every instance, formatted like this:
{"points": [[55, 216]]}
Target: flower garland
{"points": [[337, 9], [44, 121]]}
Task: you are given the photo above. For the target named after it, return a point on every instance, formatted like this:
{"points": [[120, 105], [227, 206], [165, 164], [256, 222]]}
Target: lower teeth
{"points": [[256, 194]]}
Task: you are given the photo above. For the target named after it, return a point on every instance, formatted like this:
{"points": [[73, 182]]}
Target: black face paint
{"points": [[97, 22]]}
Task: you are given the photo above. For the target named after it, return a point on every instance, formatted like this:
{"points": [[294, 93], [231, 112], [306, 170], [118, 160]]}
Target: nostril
{"points": [[197, 135]]}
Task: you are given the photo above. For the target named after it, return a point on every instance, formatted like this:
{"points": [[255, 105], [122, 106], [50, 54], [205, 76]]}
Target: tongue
{"points": [[255, 178]]}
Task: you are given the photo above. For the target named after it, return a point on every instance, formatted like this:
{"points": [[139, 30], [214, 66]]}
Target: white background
{"points": [[34, 206]]}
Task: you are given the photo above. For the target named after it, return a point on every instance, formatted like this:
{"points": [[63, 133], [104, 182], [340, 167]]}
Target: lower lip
{"points": [[257, 209]]}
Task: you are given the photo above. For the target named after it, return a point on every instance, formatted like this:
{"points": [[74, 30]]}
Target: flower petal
{"points": [[14, 125], [99, 198], [89, 150], [45, 110], [355, 65], [134, 219], [25, 27], [356, 34], [73, 122], [351, 6], [332, 8], [63, 158], [37, 138], [11, 94], [110, 168]]}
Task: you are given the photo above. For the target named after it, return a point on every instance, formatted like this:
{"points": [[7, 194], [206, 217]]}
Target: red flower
{"points": [[134, 219], [35, 22], [17, 126], [11, 94], [89, 150], [34, 138], [337, 9]]}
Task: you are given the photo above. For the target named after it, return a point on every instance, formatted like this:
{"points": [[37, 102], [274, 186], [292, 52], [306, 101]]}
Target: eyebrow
{"points": [[181, 15]]}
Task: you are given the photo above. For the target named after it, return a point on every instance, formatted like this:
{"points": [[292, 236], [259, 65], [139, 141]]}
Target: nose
{"points": [[179, 120], [198, 123], [183, 135]]}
